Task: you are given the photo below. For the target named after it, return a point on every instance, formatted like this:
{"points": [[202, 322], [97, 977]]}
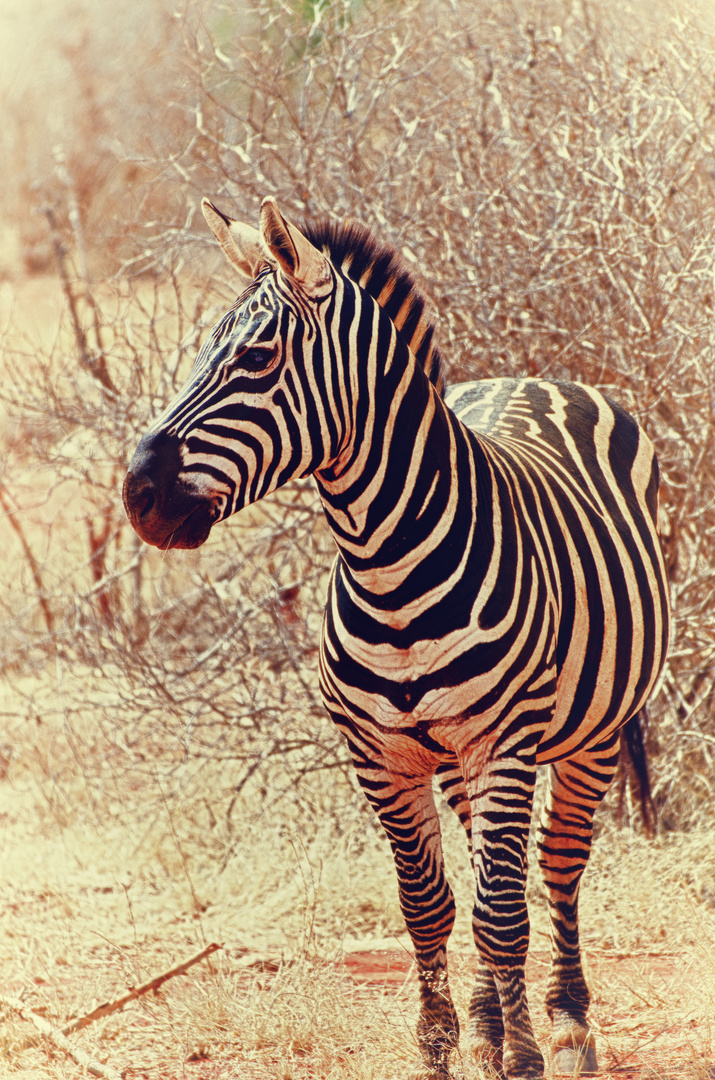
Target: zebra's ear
{"points": [[285, 245], [241, 243]]}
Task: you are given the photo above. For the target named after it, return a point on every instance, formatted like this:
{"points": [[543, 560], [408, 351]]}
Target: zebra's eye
{"points": [[255, 359], [251, 360]]}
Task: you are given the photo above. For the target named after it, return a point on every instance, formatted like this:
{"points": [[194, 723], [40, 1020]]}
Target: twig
{"points": [[60, 256], [14, 523], [114, 1006], [699, 734], [60, 1040], [95, 364]]}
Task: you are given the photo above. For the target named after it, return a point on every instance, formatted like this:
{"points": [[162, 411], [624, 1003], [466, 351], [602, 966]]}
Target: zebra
{"points": [[498, 600]]}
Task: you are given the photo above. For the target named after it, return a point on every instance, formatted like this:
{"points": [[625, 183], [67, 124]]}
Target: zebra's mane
{"points": [[378, 269]]}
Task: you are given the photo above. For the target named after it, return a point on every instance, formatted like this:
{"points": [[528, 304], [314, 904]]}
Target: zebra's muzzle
{"points": [[164, 508]]}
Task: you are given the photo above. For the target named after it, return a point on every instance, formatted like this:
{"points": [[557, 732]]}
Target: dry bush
{"points": [[162, 666], [548, 173]]}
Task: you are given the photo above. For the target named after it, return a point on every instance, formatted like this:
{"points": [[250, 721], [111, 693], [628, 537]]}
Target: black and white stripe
{"points": [[498, 600]]}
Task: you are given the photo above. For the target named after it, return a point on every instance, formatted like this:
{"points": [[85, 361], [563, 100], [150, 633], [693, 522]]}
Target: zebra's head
{"points": [[271, 396]]}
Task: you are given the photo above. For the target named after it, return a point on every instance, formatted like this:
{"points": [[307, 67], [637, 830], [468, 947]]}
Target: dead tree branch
{"points": [[60, 1040], [110, 1007]]}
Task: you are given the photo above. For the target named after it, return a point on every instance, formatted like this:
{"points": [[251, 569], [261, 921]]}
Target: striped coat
{"points": [[498, 600]]}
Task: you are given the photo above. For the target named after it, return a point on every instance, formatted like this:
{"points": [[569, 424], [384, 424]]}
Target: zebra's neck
{"points": [[403, 496]]}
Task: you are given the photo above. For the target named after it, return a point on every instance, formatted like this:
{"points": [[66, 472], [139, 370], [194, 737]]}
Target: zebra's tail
{"points": [[634, 771]]}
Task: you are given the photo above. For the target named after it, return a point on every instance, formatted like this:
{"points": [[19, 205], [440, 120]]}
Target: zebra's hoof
{"points": [[486, 1055], [576, 1060]]}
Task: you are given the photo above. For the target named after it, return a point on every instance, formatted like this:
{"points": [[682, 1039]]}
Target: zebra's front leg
{"points": [[576, 787], [485, 1032], [404, 803], [501, 794]]}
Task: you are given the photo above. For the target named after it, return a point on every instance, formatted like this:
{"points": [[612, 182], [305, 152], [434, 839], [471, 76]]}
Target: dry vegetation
{"points": [[168, 777]]}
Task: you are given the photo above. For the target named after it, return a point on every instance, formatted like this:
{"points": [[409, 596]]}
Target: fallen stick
{"points": [[60, 1040], [110, 1007]]}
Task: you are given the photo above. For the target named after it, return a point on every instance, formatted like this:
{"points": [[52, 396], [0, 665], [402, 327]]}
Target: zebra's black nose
{"points": [[167, 508], [150, 483], [140, 496]]}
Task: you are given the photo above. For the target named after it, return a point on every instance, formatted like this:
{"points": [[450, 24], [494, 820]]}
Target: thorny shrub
{"points": [[548, 174]]}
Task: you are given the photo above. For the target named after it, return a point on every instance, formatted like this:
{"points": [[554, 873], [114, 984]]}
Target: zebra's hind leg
{"points": [[576, 787], [404, 803]]}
